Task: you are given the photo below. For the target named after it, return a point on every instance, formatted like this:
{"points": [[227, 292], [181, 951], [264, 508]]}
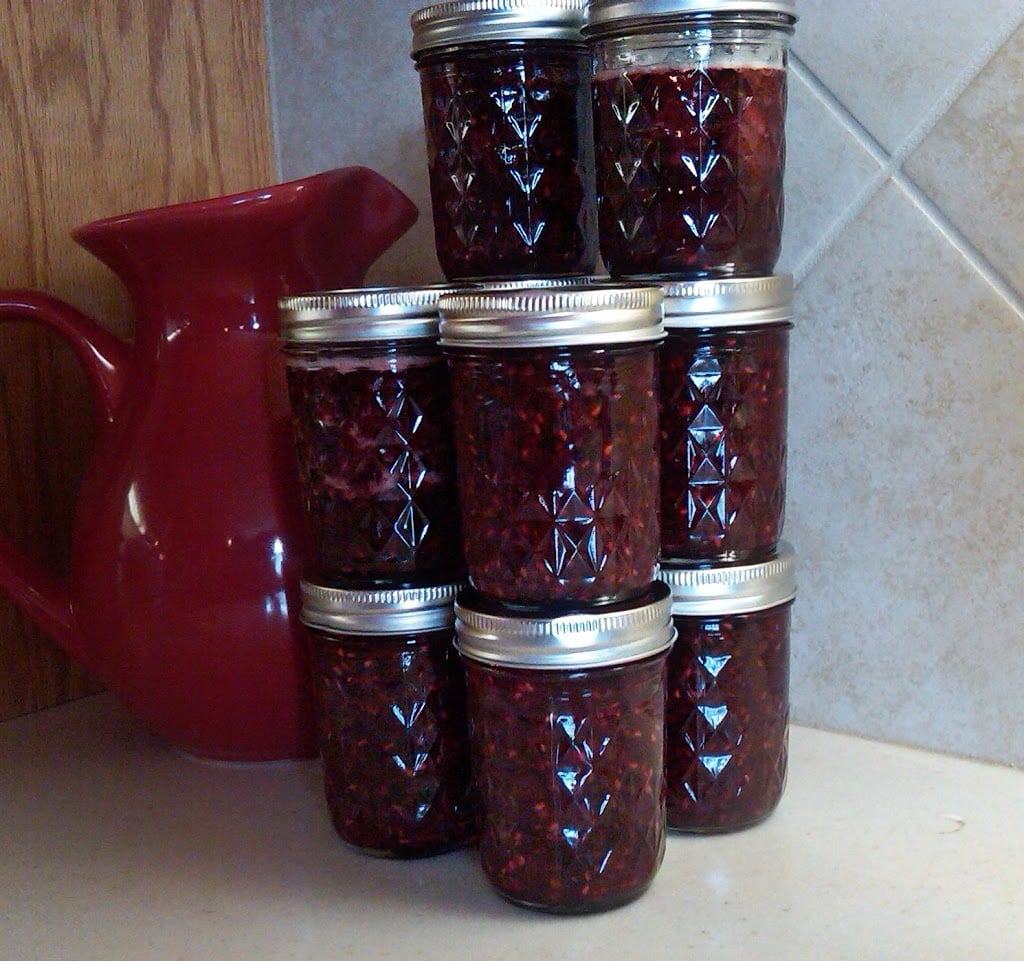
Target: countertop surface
{"points": [[114, 846]]}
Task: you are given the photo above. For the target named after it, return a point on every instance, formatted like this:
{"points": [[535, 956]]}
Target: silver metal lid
{"points": [[386, 611], [461, 21], [576, 315], [720, 590], [611, 635], [730, 302], [361, 314], [603, 15]]}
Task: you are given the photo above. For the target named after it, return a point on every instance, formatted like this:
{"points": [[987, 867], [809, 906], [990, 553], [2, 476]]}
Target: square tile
{"points": [[906, 491], [893, 63], [972, 163], [827, 170]]}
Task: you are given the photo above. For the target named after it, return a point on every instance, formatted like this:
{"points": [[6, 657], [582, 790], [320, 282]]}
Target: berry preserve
{"points": [[390, 696], [371, 417], [505, 90], [727, 709], [567, 738], [723, 422], [554, 394], [689, 104]]}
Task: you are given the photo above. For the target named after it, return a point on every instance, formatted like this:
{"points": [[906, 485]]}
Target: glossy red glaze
{"points": [[187, 549]]}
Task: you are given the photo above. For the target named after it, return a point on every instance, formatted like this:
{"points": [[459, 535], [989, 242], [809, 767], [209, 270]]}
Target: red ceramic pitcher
{"points": [[187, 547]]}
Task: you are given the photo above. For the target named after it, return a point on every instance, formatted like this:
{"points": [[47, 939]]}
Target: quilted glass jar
{"points": [[723, 416], [390, 697], [554, 396], [507, 119], [689, 100], [566, 719], [371, 416], [727, 707]]}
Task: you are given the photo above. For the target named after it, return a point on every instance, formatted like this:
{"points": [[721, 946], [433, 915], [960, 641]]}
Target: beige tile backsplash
{"points": [[905, 229]]}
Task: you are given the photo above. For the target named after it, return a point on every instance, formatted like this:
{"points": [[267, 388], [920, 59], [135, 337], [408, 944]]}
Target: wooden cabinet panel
{"points": [[105, 107]]}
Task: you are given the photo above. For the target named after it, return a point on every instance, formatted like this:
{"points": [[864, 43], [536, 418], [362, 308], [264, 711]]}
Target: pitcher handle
{"points": [[43, 596]]}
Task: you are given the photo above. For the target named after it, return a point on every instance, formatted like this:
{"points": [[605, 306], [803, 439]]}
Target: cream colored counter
{"points": [[114, 846]]}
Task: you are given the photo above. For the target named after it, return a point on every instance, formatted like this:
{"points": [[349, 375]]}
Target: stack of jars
{"points": [[371, 416], [510, 429]]}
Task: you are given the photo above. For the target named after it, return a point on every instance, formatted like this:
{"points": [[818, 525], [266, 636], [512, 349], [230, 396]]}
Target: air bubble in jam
{"points": [[372, 428], [509, 149], [558, 471], [570, 769], [727, 720], [690, 169]]}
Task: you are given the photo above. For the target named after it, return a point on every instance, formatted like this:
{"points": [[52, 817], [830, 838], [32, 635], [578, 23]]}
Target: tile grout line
{"points": [[1000, 285], [874, 183], [891, 167]]}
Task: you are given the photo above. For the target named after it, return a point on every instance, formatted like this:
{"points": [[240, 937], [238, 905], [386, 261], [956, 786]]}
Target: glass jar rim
{"points": [[460, 21]]}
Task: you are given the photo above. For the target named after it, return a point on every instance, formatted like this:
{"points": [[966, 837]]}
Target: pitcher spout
{"points": [[249, 249]]}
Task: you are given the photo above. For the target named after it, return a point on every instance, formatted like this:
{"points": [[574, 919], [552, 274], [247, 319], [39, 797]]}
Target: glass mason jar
{"points": [[724, 407], [566, 719], [727, 708], [689, 100], [505, 89], [554, 396], [371, 415], [390, 697]]}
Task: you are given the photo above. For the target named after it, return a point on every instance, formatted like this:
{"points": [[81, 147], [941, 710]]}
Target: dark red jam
{"points": [[558, 471], [726, 720], [372, 426], [690, 166], [509, 151], [393, 739], [724, 402], [570, 770]]}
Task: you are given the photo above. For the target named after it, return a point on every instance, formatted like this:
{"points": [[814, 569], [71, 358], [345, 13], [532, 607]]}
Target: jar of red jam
{"points": [[371, 414], [554, 395], [724, 401], [505, 88], [390, 697], [566, 721], [727, 709], [689, 100]]}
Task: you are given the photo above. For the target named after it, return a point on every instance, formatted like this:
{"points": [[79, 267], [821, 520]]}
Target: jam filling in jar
{"points": [[727, 708], [390, 696], [689, 104], [567, 739], [371, 416], [554, 393], [723, 417], [505, 90]]}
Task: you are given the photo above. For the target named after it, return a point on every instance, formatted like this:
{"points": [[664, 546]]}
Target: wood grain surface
{"points": [[106, 106]]}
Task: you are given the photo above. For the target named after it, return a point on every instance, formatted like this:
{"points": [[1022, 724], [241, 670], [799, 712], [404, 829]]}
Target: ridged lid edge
{"points": [[603, 15], [461, 21], [362, 313], [598, 313], [702, 590], [732, 301], [584, 639], [378, 611]]}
